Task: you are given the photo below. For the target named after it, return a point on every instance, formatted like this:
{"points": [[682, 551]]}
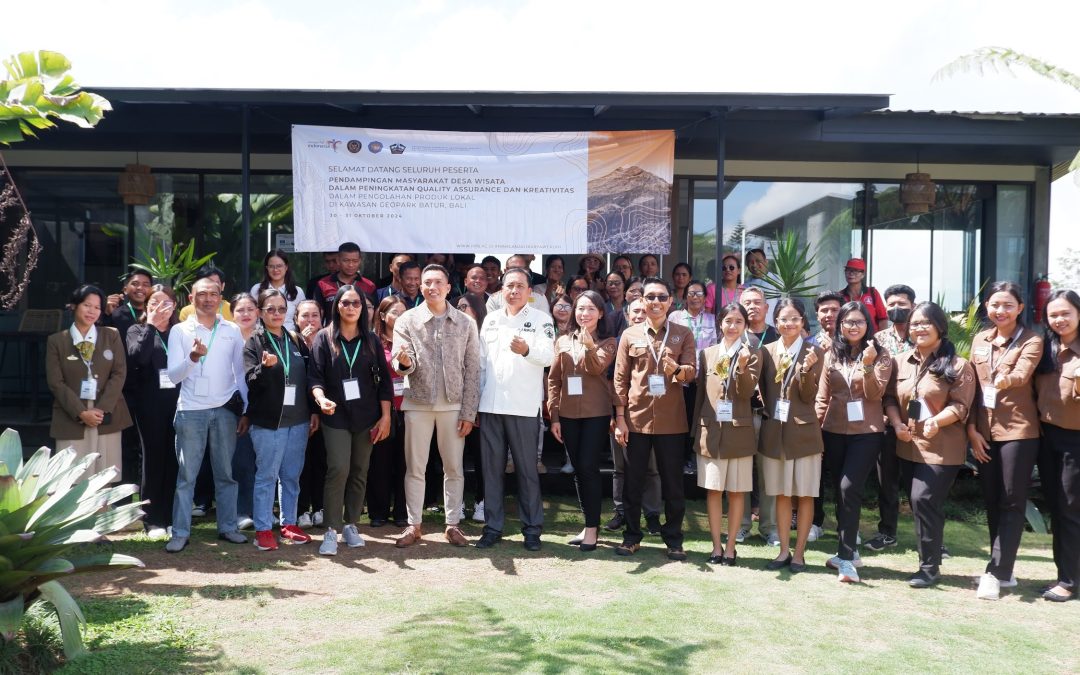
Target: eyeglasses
{"points": [[349, 303], [695, 294], [614, 282], [658, 298], [271, 309], [563, 307], [853, 324], [919, 325], [275, 267]]}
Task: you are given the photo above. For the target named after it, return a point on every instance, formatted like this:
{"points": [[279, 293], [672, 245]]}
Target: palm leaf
{"points": [[792, 269]]}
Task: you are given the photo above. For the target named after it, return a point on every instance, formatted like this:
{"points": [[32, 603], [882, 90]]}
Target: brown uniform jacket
{"points": [[800, 436], [65, 371], [1015, 413], [867, 385], [949, 446], [1058, 393], [727, 440], [596, 396], [634, 363]]}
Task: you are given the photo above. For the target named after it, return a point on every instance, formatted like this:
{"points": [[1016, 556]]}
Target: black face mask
{"points": [[899, 314]]}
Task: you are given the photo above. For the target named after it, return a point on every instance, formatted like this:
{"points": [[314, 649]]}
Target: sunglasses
{"points": [[349, 303], [563, 307], [657, 298], [695, 294], [277, 310], [731, 268]]}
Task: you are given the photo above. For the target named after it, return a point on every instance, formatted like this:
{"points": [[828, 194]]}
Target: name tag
{"points": [[639, 343], [783, 408], [399, 386], [88, 389], [724, 411], [657, 385], [854, 411], [202, 386], [983, 351], [573, 385], [290, 395], [989, 397], [163, 379], [352, 389]]}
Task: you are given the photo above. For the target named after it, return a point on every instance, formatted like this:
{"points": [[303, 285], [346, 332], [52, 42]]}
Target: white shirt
{"points": [[770, 304], [536, 300], [512, 384], [223, 365], [290, 309]]}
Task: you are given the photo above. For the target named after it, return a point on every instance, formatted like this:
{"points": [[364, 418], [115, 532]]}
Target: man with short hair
{"points": [[476, 281], [827, 307], [391, 284], [899, 302], [349, 266], [437, 349], [206, 360], [224, 308], [517, 343], [409, 273], [757, 268], [493, 270], [537, 300], [330, 266], [654, 358]]}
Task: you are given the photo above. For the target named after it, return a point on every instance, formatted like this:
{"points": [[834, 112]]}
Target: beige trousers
{"points": [[419, 425]]}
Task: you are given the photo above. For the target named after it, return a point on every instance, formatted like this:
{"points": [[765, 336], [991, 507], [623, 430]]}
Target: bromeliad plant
{"points": [[47, 510]]}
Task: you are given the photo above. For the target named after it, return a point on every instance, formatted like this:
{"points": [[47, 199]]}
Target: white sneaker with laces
{"points": [[329, 542], [198, 511], [741, 535], [352, 536], [1011, 583], [462, 512], [773, 539], [989, 588], [815, 533], [478, 512], [304, 521], [847, 572], [833, 563], [317, 518]]}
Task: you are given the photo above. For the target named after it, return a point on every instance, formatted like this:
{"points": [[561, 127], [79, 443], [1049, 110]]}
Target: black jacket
{"points": [[328, 370], [266, 386]]}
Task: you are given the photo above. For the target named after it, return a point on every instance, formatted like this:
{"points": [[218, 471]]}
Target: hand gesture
{"points": [[92, 417], [269, 360], [327, 406], [930, 428], [198, 350], [519, 345], [903, 433], [112, 302], [809, 360], [669, 365], [869, 355], [309, 333], [979, 446], [158, 317], [403, 357], [586, 339], [744, 357]]}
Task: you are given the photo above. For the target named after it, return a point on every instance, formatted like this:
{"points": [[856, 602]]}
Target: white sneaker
{"points": [[244, 523], [157, 533], [742, 535], [304, 521], [815, 533], [773, 539], [316, 518], [352, 536], [329, 542], [858, 539], [1011, 583], [847, 573], [833, 563], [462, 512], [478, 512], [989, 588], [567, 468]]}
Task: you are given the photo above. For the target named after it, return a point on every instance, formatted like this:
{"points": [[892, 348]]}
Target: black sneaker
{"points": [[945, 552], [616, 523], [488, 539], [880, 542], [532, 542], [652, 524], [923, 579]]}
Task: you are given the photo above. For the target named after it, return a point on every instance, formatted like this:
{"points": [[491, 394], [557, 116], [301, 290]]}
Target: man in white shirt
{"points": [[535, 300], [206, 361], [517, 342]]}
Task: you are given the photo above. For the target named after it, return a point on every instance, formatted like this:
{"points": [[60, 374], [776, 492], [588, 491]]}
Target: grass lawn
{"points": [[219, 607]]}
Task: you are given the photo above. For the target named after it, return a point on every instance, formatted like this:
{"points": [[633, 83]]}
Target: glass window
{"points": [[1011, 245]]}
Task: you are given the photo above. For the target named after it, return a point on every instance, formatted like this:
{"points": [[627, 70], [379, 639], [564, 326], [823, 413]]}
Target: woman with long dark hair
{"points": [[580, 404], [277, 274], [1002, 430], [1058, 385], [927, 406], [728, 287], [386, 473], [351, 385], [849, 408], [591, 268], [681, 276], [155, 406]]}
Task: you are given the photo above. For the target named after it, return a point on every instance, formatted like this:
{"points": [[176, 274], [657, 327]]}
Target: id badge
{"points": [[399, 386], [989, 397], [163, 380], [914, 409], [88, 389], [352, 389], [573, 385], [290, 395], [202, 386], [724, 411], [657, 385], [854, 411], [783, 407]]}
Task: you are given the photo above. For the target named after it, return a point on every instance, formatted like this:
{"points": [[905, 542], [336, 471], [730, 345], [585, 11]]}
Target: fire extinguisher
{"points": [[1042, 296]]}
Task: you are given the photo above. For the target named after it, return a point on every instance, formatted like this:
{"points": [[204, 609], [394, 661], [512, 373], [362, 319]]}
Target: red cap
{"points": [[856, 264]]}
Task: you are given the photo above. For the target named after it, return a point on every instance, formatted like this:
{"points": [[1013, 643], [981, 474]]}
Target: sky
{"points": [[840, 46]]}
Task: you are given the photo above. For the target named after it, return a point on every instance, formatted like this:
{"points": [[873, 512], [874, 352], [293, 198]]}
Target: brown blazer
{"points": [[800, 436], [634, 363], [726, 440], [1058, 393], [867, 385], [949, 446], [1015, 412], [65, 371], [597, 396]]}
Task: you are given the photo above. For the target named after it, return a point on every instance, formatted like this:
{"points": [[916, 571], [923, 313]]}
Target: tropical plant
{"points": [[175, 266], [39, 89], [965, 325], [47, 511], [791, 270]]}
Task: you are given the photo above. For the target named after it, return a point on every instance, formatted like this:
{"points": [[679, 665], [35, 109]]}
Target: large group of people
{"points": [[350, 396]]}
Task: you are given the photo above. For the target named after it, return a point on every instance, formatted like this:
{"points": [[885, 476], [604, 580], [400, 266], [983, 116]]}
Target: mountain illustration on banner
{"points": [[629, 210]]}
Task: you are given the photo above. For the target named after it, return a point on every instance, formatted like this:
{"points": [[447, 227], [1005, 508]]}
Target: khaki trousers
{"points": [[419, 425]]}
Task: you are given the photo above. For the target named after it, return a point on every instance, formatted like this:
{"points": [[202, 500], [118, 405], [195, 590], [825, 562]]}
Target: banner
{"points": [[482, 192]]}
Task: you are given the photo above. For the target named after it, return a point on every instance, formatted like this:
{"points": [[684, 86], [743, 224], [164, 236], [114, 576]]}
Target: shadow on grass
{"points": [[126, 656], [482, 640]]}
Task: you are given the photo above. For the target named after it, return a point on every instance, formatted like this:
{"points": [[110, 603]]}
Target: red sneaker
{"points": [[294, 535], [265, 540]]}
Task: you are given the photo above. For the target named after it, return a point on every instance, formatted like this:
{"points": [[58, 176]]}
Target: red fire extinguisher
{"points": [[1042, 296]]}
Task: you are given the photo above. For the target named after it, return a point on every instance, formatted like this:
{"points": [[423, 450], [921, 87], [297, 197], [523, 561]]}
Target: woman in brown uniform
{"points": [[927, 406], [1057, 383], [580, 401], [790, 443], [724, 426], [1002, 430]]}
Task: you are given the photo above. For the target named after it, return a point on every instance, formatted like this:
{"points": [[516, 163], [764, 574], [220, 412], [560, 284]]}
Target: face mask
{"points": [[899, 314]]}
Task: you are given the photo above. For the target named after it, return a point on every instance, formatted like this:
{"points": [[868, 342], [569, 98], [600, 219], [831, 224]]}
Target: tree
{"points": [[1069, 266]]}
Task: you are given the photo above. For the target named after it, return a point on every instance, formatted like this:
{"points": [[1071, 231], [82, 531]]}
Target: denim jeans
{"points": [[193, 429], [279, 456], [243, 470]]}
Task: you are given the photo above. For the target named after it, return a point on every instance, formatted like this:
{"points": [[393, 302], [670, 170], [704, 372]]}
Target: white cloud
{"points": [[783, 198]]}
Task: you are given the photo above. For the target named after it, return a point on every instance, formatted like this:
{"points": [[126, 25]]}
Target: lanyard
{"points": [[161, 339], [1008, 346], [132, 310], [350, 359], [656, 356], [849, 375], [287, 357], [209, 345]]}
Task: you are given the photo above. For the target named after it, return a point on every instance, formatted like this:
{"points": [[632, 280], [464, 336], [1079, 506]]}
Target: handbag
{"points": [[235, 404]]}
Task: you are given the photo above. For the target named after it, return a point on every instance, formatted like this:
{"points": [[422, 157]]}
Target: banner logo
{"points": [[375, 147], [354, 146], [397, 149]]}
